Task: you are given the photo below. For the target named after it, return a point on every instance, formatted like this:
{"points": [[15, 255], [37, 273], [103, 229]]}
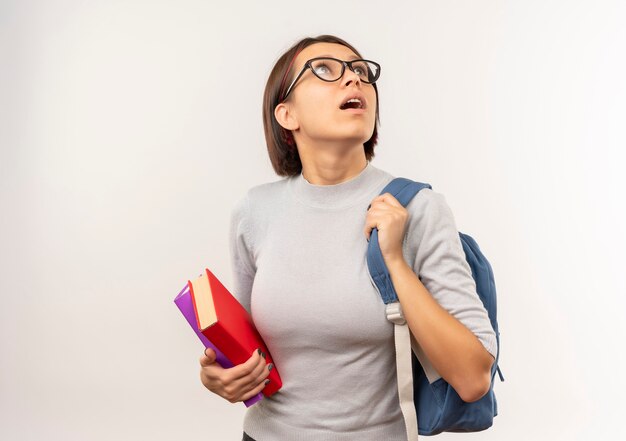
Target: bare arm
{"points": [[454, 351]]}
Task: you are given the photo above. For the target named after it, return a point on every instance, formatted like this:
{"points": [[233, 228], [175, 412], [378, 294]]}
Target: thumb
{"points": [[209, 356]]}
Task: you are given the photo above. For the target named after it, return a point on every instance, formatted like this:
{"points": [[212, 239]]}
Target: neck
{"points": [[357, 189], [330, 166]]}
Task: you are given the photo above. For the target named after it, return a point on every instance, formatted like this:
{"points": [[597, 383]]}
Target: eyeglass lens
{"points": [[330, 70]]}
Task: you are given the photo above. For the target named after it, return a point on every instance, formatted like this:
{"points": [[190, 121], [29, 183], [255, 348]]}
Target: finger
{"points": [[258, 378], [378, 205], [210, 353], [370, 224], [381, 218], [368, 230], [249, 366], [374, 202], [260, 373], [254, 391], [261, 379], [388, 198], [257, 372], [208, 358], [250, 380], [205, 361]]}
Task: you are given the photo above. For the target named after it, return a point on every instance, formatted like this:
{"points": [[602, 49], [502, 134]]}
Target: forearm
{"points": [[454, 351]]}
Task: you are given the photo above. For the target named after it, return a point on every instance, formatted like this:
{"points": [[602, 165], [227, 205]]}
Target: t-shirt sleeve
{"points": [[241, 258], [443, 269]]}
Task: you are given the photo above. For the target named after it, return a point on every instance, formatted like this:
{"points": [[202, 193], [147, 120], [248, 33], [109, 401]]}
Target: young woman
{"points": [[298, 248]]}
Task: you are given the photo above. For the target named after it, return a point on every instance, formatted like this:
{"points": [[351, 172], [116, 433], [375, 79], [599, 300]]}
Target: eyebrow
{"points": [[352, 57]]}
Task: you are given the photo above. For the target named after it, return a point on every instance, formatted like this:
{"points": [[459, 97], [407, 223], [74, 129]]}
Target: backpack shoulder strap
{"points": [[403, 190]]}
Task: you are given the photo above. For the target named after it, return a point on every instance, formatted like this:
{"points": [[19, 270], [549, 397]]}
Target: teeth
{"points": [[354, 100]]}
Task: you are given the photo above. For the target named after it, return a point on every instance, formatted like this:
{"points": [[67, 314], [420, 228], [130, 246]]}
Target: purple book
{"points": [[184, 303]]}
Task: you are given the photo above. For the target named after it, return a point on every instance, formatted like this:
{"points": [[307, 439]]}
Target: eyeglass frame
{"points": [[307, 65]]}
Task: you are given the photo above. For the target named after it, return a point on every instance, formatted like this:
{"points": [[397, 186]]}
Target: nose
{"points": [[349, 76]]}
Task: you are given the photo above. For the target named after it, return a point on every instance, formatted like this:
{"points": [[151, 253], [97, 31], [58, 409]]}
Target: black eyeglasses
{"points": [[332, 69]]}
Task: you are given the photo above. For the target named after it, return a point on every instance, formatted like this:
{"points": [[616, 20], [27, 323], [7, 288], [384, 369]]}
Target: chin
{"points": [[355, 131], [360, 140], [359, 133]]}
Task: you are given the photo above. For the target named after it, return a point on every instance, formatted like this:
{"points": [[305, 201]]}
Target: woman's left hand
{"points": [[389, 217]]}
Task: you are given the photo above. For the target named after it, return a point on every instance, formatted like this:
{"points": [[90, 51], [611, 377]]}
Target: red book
{"points": [[227, 324]]}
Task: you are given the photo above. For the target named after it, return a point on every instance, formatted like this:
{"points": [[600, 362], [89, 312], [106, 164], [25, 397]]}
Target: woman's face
{"points": [[314, 105]]}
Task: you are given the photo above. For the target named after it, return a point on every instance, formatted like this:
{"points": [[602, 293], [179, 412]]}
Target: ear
{"points": [[286, 117]]}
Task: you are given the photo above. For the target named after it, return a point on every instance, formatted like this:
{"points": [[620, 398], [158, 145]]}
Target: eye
{"points": [[321, 68], [361, 69]]}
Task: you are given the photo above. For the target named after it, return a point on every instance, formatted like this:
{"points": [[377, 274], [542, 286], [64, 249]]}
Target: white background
{"points": [[129, 128]]}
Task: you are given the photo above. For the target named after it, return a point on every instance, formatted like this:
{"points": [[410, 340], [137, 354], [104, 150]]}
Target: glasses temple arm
{"points": [[306, 66]]}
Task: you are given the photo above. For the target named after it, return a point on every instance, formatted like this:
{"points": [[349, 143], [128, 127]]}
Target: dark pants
{"points": [[247, 437]]}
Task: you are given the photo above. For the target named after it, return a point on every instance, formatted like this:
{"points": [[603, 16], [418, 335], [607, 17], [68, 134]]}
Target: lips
{"points": [[358, 101]]}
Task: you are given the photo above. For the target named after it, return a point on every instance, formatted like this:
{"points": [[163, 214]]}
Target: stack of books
{"points": [[225, 326]]}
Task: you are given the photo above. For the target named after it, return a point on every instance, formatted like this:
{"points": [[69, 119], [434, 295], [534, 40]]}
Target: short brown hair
{"points": [[280, 143]]}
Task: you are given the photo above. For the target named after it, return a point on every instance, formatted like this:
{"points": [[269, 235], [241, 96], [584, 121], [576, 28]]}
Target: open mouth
{"points": [[352, 103]]}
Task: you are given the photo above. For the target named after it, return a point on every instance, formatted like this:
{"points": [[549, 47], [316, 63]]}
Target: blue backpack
{"points": [[432, 408]]}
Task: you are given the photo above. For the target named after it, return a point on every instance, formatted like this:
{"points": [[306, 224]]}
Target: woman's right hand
{"points": [[237, 383]]}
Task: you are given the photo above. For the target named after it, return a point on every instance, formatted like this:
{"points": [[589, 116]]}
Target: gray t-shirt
{"points": [[298, 255]]}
